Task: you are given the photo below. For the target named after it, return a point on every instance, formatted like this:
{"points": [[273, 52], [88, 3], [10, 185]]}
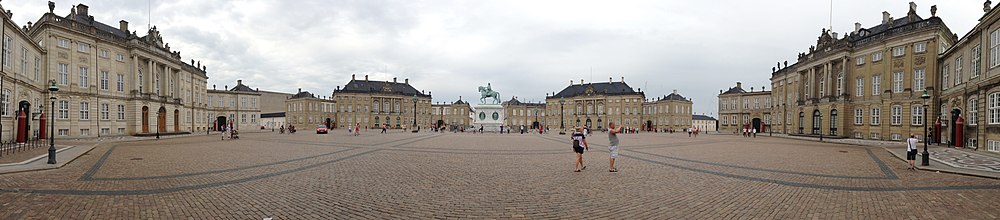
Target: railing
{"points": [[12, 147]]}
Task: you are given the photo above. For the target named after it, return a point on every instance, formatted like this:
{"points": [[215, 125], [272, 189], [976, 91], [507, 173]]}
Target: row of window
{"points": [[757, 103], [85, 48], [898, 51]]}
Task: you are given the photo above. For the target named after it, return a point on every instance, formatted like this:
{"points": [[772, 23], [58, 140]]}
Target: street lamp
{"points": [[926, 159], [415, 113], [53, 88], [562, 119]]}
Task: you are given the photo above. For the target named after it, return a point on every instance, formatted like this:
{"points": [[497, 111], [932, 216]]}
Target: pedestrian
{"points": [[579, 145], [689, 132], [224, 129], [384, 128], [357, 129], [754, 133], [613, 146], [522, 129], [911, 151]]}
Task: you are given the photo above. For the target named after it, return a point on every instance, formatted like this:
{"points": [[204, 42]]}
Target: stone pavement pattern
{"points": [[428, 175]]}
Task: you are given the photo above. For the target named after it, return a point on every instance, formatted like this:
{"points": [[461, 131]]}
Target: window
{"points": [[105, 131], [897, 115], [84, 77], [24, 61], [840, 84], [121, 130], [875, 136], [120, 83], [84, 47], [918, 80], [876, 116], [895, 137], [120, 57], [38, 67], [5, 105], [859, 116], [62, 42], [7, 50], [877, 56], [898, 51], [104, 53], [993, 146], [917, 115], [833, 122], [63, 109], [958, 70], [104, 112], [822, 87], [121, 112], [84, 111], [85, 132], [897, 82], [876, 85], [993, 108], [976, 62], [920, 47], [860, 60], [995, 48], [63, 132], [973, 111], [104, 80], [63, 74], [860, 90]]}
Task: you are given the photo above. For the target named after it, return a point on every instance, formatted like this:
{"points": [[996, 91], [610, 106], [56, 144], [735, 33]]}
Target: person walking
{"points": [[225, 129], [357, 129], [579, 145], [384, 128], [911, 151], [754, 133], [613, 146]]}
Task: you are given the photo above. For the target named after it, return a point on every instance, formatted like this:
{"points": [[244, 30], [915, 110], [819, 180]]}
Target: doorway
{"points": [[161, 120], [145, 119]]}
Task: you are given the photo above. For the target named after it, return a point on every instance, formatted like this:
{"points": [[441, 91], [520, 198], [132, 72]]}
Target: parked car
{"points": [[322, 130]]}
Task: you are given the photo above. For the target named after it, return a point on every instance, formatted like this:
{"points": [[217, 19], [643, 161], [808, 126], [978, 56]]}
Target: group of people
{"points": [[750, 132], [291, 129], [694, 131], [227, 130], [580, 145]]}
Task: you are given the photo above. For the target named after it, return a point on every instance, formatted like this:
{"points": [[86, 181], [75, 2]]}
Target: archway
{"points": [[220, 123], [953, 127], [328, 123], [755, 124], [161, 120], [649, 125], [588, 123], [177, 120], [23, 127], [534, 125], [440, 123], [145, 119]]}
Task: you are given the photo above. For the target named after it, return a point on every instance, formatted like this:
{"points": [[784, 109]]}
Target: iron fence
{"points": [[11, 147]]}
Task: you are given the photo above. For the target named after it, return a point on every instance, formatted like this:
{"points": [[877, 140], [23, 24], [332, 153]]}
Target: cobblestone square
{"points": [[448, 175]]}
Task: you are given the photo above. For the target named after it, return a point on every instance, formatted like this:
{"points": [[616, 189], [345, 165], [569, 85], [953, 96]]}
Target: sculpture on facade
{"points": [[487, 92]]}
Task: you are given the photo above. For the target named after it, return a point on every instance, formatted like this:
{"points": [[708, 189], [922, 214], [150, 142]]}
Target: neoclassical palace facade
{"points": [[594, 105]]}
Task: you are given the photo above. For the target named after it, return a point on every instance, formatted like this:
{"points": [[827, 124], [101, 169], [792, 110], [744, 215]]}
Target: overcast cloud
{"points": [[524, 48]]}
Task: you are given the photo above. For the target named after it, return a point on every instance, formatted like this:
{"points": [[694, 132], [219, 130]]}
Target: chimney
{"points": [[123, 25], [352, 77], [885, 17], [81, 9], [623, 79], [407, 81], [239, 82], [571, 82], [393, 79], [366, 77], [857, 27], [986, 6], [913, 8], [675, 91], [609, 79], [834, 35], [739, 85], [300, 90]]}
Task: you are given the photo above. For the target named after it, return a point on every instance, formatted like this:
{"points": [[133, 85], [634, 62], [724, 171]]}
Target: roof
{"points": [[674, 96], [272, 115], [366, 86], [604, 88], [242, 88], [302, 94], [734, 90], [100, 26], [702, 117], [459, 102]]}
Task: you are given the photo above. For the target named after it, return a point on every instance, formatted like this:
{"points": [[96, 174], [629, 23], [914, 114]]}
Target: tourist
{"points": [[579, 145], [357, 129], [384, 128], [754, 132], [522, 129], [613, 146], [225, 131], [911, 151]]}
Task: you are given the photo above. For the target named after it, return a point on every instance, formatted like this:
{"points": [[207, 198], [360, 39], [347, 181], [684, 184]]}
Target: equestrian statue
{"points": [[487, 92]]}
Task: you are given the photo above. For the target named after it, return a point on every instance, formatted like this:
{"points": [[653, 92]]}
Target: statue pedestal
{"points": [[488, 116]]}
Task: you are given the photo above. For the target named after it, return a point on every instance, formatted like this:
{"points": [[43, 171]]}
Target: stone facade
{"points": [[866, 85], [529, 115], [672, 111], [305, 111], [237, 107], [740, 109], [452, 117], [372, 103], [594, 105], [969, 87], [704, 123]]}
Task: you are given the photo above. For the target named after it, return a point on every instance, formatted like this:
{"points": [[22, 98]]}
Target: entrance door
{"points": [[328, 123], [440, 123], [649, 125], [220, 123], [161, 120], [23, 127], [145, 119], [755, 124], [534, 125], [953, 127], [177, 120]]}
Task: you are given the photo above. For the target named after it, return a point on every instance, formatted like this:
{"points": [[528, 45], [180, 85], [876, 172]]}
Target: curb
{"points": [[929, 168], [50, 167]]}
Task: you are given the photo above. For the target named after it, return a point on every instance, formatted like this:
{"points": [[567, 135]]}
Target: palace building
{"points": [[671, 111], [305, 111], [740, 109], [452, 117], [866, 84], [517, 114], [374, 103], [593, 105], [237, 107]]}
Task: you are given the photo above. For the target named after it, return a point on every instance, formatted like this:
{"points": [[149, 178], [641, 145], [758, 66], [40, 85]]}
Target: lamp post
{"points": [[415, 113], [53, 88], [926, 159], [562, 118]]}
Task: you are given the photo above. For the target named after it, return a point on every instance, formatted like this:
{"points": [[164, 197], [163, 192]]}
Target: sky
{"points": [[523, 48]]}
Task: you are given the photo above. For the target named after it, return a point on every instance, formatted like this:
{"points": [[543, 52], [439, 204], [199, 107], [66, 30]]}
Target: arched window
{"points": [[833, 122], [375, 108], [817, 121], [802, 121]]}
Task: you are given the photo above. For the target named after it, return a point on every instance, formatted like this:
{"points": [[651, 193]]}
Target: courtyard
{"points": [[464, 175]]}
